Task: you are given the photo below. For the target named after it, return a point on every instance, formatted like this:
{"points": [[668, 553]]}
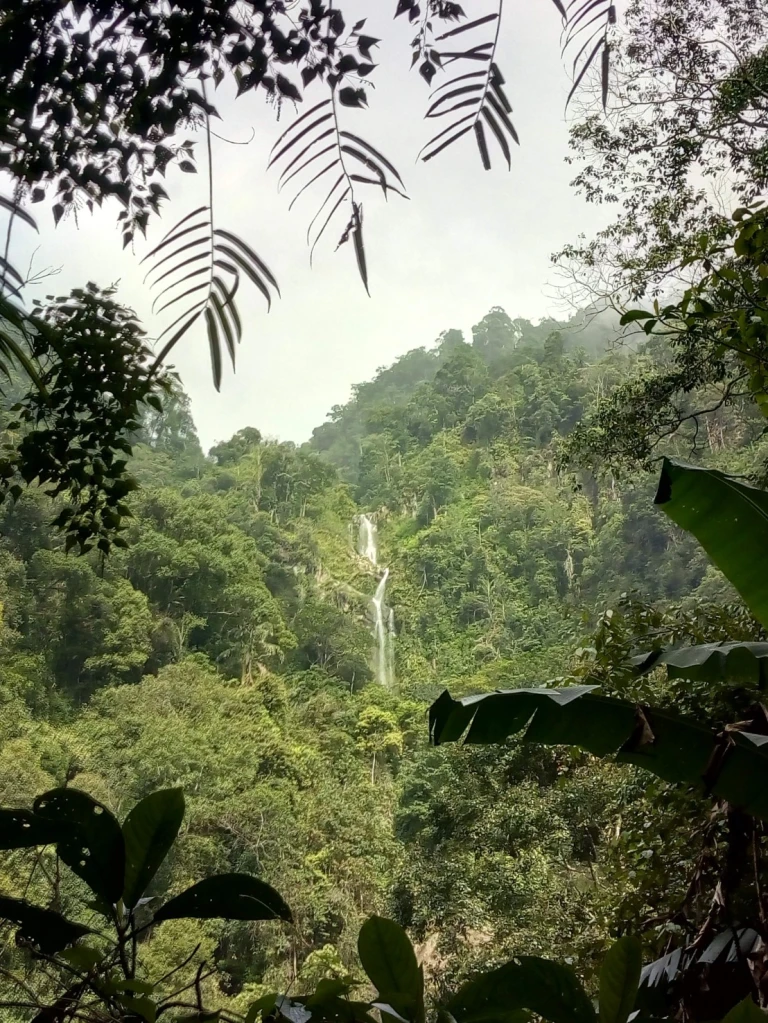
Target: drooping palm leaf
{"points": [[316, 148], [472, 100], [196, 270], [710, 662], [15, 323], [586, 25]]}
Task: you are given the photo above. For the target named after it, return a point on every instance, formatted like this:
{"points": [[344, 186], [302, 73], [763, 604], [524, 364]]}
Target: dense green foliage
{"points": [[227, 650]]}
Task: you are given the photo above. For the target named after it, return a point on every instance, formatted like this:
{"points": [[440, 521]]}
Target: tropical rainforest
{"points": [[234, 682], [228, 649]]}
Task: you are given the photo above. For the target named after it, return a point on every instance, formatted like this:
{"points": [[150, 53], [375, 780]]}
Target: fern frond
{"points": [[578, 17], [200, 265], [476, 98], [16, 325], [325, 149]]}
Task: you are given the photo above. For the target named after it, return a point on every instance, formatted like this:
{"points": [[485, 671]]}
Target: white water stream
{"points": [[383, 616]]}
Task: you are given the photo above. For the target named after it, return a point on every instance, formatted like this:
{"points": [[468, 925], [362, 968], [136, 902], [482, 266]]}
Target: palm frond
{"points": [[16, 325], [579, 16], [315, 148], [471, 100], [475, 99], [200, 266]]}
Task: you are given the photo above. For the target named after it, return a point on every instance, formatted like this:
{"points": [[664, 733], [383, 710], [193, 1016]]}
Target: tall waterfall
{"points": [[383, 616]]}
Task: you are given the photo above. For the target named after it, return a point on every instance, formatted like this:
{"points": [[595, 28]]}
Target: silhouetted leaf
{"points": [[461, 91], [300, 120], [250, 255], [92, 844], [297, 137], [285, 177], [357, 238], [388, 959], [22, 829], [747, 1011], [374, 152], [215, 347], [620, 979], [467, 26], [527, 983], [46, 930], [149, 831], [327, 220], [351, 97], [503, 144], [17, 211], [226, 327], [720, 512], [449, 141], [230, 896], [482, 145]]}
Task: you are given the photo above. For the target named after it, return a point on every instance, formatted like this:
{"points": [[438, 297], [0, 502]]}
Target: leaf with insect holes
{"points": [[314, 150], [91, 842], [197, 268], [43, 928]]}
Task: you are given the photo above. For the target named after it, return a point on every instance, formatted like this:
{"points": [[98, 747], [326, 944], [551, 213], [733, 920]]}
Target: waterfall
{"points": [[366, 539], [383, 616]]}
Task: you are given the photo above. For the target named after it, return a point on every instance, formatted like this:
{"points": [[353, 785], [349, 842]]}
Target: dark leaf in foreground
{"points": [[149, 831], [231, 896], [46, 930], [731, 765], [22, 829], [92, 842], [720, 512]]}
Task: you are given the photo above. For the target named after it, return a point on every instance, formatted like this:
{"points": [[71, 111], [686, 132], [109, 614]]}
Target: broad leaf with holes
{"points": [[22, 829], [92, 843], [43, 928]]}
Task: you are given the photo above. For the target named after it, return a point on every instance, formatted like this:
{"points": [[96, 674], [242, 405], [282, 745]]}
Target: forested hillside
{"points": [[227, 648]]}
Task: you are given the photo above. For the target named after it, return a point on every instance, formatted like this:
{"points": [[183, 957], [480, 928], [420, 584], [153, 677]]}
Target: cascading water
{"points": [[366, 540], [383, 616]]}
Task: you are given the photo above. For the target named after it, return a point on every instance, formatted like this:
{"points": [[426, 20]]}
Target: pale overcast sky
{"points": [[466, 241]]}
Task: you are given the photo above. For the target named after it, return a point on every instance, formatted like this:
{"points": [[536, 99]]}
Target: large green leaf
{"points": [[527, 983], [22, 829], [43, 928], [746, 1011], [620, 979], [710, 662], [149, 831], [92, 844], [389, 960], [231, 896], [733, 765], [729, 518]]}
